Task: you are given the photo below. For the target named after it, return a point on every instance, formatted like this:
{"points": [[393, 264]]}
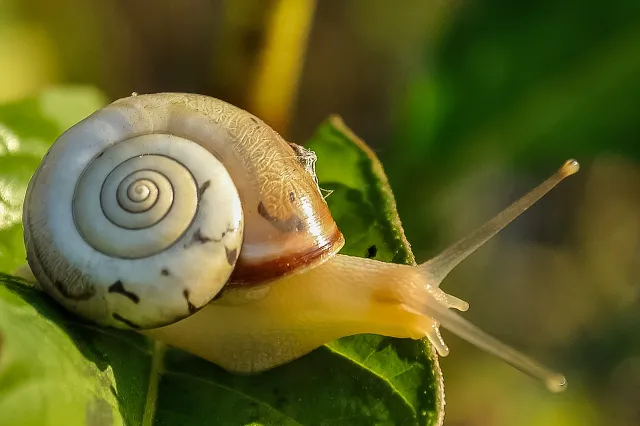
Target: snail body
{"points": [[191, 221]]}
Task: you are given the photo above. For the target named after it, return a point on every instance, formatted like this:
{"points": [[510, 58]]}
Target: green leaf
{"points": [[55, 370], [58, 370]]}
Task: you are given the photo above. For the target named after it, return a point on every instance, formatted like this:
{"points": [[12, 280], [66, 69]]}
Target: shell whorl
{"points": [[132, 233], [154, 197]]}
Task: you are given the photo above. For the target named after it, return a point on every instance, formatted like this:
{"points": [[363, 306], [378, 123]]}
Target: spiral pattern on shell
{"points": [[118, 198], [132, 233]]}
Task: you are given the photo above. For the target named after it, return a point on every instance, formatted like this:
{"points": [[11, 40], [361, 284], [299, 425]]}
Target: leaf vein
{"points": [[157, 367], [375, 373], [236, 391], [406, 370]]}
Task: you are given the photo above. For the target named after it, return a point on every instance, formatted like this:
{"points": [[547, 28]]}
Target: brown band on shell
{"points": [[254, 274]]}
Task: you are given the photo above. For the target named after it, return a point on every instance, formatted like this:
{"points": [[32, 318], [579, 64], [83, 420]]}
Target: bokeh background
{"points": [[468, 104]]}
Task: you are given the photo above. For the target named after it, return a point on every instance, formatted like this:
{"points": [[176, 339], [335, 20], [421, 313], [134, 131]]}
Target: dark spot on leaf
{"points": [[281, 402], [203, 188], [253, 119], [165, 272], [190, 306], [372, 251], [120, 318], [80, 291], [253, 412], [118, 287], [99, 413], [292, 197], [294, 223], [232, 255]]}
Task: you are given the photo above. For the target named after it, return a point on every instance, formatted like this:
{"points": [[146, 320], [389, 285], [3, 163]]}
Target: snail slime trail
{"points": [[168, 214]]}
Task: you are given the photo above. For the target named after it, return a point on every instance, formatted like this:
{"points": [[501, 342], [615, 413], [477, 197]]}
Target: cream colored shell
{"points": [[104, 260]]}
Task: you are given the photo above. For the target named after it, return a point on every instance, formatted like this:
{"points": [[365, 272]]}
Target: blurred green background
{"points": [[468, 104]]}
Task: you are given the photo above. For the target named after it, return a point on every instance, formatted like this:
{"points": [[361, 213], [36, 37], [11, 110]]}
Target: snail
{"points": [[191, 221]]}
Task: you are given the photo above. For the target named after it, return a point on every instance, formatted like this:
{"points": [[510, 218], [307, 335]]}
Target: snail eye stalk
{"points": [[440, 266], [436, 269]]}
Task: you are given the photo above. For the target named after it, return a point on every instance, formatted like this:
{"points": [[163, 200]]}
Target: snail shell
{"points": [[140, 214]]}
